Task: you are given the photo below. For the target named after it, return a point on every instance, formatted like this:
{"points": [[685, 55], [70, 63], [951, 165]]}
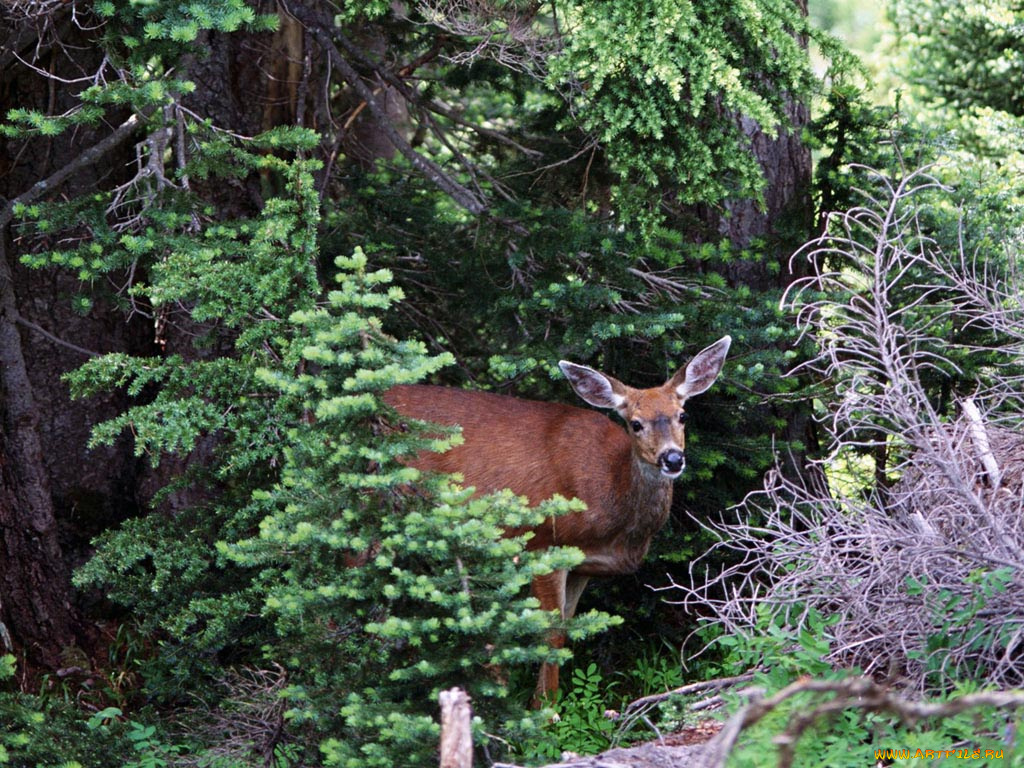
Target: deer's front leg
{"points": [[549, 589]]}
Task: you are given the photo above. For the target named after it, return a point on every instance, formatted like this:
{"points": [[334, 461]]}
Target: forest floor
{"points": [[673, 750]]}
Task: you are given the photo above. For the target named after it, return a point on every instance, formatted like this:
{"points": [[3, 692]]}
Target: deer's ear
{"points": [[702, 371], [598, 389]]}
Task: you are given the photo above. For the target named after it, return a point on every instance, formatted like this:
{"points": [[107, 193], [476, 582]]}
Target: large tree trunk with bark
{"points": [[35, 599], [54, 494], [37, 617], [777, 225], [784, 221], [781, 225]]}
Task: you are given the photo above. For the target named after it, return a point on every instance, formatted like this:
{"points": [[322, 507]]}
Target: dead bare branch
{"points": [[645, 702], [330, 42], [508, 34], [854, 693], [916, 545], [55, 339], [249, 724], [640, 708], [821, 699], [456, 730], [88, 157]]}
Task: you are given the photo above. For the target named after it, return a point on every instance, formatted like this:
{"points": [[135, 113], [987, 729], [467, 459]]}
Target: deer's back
{"points": [[534, 448]]}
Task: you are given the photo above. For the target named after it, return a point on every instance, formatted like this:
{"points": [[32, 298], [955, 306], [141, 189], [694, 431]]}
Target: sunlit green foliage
{"points": [[47, 732], [966, 62], [966, 54], [656, 79]]}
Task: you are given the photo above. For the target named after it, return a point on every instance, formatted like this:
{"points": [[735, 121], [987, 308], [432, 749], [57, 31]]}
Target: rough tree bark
{"points": [[35, 599], [55, 493], [36, 608], [46, 477], [36, 612], [785, 220]]}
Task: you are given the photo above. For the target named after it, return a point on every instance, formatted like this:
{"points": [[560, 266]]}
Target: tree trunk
{"points": [[45, 470], [35, 600], [37, 616], [785, 220], [781, 225]]}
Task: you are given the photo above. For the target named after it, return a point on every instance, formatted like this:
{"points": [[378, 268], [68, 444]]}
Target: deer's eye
{"points": [[636, 426], [683, 416]]}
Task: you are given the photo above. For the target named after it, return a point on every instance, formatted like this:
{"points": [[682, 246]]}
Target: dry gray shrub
{"points": [[919, 555]]}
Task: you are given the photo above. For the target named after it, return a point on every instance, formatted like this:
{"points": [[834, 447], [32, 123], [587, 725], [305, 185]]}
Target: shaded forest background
{"points": [[228, 226]]}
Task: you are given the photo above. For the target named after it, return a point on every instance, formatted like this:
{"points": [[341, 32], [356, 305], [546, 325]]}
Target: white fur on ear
{"points": [[596, 388], [704, 369]]}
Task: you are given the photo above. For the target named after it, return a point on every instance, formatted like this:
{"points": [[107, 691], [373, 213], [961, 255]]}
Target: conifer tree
{"points": [[540, 195]]}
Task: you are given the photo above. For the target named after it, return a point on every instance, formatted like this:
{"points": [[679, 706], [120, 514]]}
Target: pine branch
{"points": [[92, 155], [431, 170]]}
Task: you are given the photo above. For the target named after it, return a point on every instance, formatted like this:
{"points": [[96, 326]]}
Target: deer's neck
{"points": [[648, 499], [624, 532]]}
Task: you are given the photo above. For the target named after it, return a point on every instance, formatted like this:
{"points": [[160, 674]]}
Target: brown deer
{"points": [[539, 449]]}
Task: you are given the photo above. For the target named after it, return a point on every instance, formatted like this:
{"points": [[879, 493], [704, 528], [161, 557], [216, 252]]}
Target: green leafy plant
{"points": [[689, 62], [581, 724], [49, 732], [655, 671], [841, 732], [959, 623], [148, 749]]}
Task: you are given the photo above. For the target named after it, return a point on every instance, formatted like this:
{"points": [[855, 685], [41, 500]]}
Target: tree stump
{"points": [[456, 734]]}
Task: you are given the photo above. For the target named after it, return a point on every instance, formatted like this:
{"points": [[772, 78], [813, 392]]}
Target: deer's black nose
{"points": [[672, 461]]}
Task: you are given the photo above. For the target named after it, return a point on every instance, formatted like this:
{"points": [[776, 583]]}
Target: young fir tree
{"points": [[529, 213], [388, 593], [316, 551]]}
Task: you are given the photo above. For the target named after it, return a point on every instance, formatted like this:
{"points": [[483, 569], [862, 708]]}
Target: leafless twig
{"points": [[510, 34], [337, 47], [645, 702], [249, 724], [639, 708], [837, 696]]}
